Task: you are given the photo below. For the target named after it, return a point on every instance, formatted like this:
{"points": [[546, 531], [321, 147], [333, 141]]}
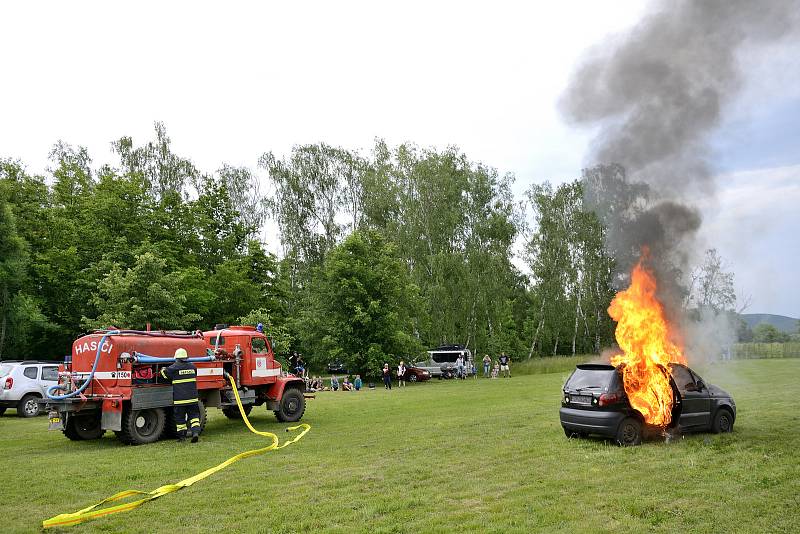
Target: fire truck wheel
{"points": [[232, 412], [28, 406], [630, 432], [86, 426], [292, 406], [141, 426]]}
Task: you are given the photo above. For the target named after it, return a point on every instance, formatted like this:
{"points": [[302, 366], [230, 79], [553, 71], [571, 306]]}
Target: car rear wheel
{"points": [[2, 411], [723, 421], [28, 406], [84, 426], [630, 432]]}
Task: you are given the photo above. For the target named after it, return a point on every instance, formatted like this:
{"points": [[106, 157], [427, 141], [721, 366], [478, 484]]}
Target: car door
{"points": [[31, 382], [695, 401], [703, 399], [49, 378]]}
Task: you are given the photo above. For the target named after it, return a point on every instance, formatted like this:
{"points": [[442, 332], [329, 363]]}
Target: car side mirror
{"points": [[700, 385]]}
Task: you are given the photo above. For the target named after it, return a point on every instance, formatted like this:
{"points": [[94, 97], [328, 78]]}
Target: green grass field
{"points": [[486, 455]]}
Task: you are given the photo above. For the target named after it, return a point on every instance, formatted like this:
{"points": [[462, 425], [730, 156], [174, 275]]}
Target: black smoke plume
{"points": [[656, 95]]}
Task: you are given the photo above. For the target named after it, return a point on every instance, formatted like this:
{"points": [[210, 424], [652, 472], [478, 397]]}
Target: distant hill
{"points": [[781, 322]]}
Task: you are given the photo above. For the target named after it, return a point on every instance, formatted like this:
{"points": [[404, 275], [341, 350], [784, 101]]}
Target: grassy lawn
{"points": [[485, 455]]}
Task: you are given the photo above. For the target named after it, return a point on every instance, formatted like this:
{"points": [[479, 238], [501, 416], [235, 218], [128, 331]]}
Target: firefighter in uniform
{"points": [[183, 376]]}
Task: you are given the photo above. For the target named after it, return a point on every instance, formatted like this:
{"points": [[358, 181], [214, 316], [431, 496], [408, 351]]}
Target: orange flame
{"points": [[643, 335]]}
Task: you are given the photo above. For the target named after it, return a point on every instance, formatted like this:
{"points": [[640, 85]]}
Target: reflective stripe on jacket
{"points": [[183, 376]]}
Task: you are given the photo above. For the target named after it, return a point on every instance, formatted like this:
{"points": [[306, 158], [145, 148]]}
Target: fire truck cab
{"points": [[112, 381]]}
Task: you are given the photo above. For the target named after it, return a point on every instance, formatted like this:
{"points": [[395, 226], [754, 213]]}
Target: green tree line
{"points": [[382, 253]]}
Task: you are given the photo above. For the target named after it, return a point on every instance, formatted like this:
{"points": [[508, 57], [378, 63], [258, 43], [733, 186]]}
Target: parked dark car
{"points": [[337, 368], [417, 374], [594, 402]]}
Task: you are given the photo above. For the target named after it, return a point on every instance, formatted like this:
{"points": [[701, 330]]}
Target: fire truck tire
{"points": [[28, 406], [292, 406], [169, 425], [629, 433], [141, 426], [81, 427], [232, 412]]}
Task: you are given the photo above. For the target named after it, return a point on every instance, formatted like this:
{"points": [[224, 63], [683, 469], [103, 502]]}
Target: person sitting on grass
{"points": [[357, 383], [347, 385], [334, 383]]}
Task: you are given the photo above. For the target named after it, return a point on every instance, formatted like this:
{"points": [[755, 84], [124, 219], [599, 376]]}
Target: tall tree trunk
{"points": [[538, 327], [3, 325], [577, 315]]}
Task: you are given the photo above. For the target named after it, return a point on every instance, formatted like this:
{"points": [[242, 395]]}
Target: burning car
{"points": [[594, 401]]}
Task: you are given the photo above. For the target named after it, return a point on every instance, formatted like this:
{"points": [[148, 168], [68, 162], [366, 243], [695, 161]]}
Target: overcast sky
{"points": [[232, 80]]}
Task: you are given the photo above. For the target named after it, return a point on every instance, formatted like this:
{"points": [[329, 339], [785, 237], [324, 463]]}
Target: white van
{"points": [[441, 361]]}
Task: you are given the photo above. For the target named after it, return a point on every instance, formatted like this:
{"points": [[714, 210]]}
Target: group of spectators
{"points": [[465, 367], [492, 369], [317, 384]]}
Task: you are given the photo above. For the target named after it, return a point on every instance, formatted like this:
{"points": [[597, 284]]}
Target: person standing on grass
{"points": [[387, 377], [401, 374], [487, 363], [505, 365], [357, 383], [460, 366], [185, 410]]}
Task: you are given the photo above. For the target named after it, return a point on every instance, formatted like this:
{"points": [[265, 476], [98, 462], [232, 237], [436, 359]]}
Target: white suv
{"points": [[23, 383]]}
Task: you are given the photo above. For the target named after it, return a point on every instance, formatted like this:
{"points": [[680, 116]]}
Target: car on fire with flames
{"points": [[594, 402]]}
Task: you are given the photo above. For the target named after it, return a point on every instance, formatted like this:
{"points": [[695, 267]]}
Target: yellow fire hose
{"points": [[91, 512]]}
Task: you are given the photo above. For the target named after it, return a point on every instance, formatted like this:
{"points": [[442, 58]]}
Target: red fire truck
{"points": [[112, 381]]}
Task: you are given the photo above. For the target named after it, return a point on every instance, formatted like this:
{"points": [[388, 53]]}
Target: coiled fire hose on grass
{"points": [[92, 512]]}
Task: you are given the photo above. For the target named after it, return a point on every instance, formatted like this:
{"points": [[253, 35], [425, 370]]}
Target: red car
{"points": [[415, 374]]}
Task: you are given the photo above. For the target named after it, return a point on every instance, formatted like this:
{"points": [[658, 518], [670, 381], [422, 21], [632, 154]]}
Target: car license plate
{"points": [[581, 399]]}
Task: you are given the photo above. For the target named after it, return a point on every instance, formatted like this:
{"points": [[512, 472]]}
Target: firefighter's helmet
{"points": [[181, 354]]}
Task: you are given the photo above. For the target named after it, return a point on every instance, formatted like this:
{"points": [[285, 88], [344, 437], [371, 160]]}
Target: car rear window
{"points": [[31, 372], [5, 369], [591, 379]]}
